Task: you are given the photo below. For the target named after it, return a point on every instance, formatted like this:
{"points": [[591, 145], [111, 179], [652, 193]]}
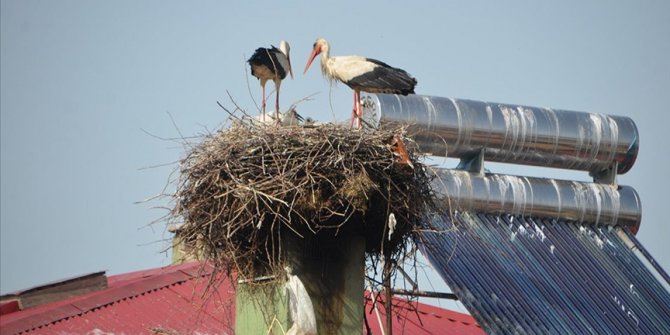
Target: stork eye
{"points": [[314, 45]]}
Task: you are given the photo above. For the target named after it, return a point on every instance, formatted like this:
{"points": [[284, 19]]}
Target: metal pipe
{"points": [[510, 133], [538, 197], [427, 294]]}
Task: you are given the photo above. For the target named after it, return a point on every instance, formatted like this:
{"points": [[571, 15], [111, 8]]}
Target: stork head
{"points": [[321, 45], [286, 49]]}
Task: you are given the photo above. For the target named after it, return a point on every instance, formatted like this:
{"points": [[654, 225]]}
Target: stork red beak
{"points": [[290, 68], [315, 52]]}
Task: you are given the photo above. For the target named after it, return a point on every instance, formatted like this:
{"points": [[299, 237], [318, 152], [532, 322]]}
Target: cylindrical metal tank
{"points": [[538, 197], [509, 133]]}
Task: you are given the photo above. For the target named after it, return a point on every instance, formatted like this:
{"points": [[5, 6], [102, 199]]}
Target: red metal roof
{"points": [[411, 317], [170, 299]]}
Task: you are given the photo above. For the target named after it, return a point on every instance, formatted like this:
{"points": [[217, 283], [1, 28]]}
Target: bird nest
{"points": [[243, 188]]}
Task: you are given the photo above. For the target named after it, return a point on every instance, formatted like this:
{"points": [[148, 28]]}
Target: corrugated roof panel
{"points": [[544, 276], [163, 309], [163, 299], [410, 317], [134, 303]]}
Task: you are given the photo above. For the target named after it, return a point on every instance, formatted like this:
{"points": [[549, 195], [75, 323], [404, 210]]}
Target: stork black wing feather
{"points": [[267, 57], [384, 79]]}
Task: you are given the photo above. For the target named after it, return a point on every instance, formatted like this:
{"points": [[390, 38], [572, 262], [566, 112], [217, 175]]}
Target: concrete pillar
{"points": [[332, 271]]}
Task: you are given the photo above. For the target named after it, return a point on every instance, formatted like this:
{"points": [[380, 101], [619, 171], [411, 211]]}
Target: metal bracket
{"points": [[606, 176], [473, 163]]}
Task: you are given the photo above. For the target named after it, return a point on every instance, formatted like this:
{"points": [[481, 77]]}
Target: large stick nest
{"points": [[241, 188]]}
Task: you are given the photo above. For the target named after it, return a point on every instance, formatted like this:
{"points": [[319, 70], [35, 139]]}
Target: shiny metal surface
{"points": [[527, 275], [538, 197], [510, 133]]}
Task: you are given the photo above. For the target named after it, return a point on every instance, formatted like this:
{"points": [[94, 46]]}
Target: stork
{"points": [[361, 74], [291, 117], [271, 64]]}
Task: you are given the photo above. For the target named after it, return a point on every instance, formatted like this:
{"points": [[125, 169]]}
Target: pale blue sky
{"points": [[81, 80]]}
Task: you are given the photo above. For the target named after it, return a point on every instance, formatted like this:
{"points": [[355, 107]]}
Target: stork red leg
{"points": [[359, 112], [354, 112], [277, 105], [263, 103]]}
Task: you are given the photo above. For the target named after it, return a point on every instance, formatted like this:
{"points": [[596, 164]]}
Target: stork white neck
{"points": [[325, 56]]}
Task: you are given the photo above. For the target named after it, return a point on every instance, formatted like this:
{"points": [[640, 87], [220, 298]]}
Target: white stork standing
{"points": [[361, 74], [271, 64]]}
